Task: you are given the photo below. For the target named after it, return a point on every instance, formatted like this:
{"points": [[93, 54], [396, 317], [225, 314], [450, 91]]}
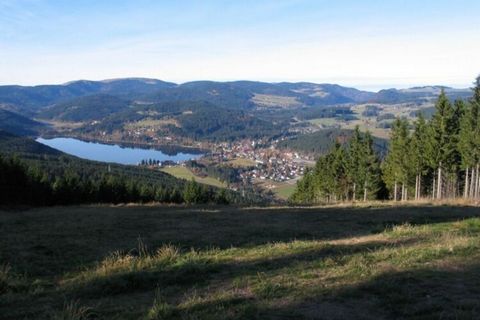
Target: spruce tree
{"points": [[418, 155], [441, 143], [371, 169], [355, 169], [396, 164]]}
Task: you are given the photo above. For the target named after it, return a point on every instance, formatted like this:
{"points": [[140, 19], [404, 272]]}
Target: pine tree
{"points": [[192, 192], [371, 165], [441, 143], [396, 165], [418, 155], [469, 144], [340, 172], [355, 170]]}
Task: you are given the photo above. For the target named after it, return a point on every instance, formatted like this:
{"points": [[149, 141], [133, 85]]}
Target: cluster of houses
{"points": [[159, 163], [268, 163], [274, 169]]}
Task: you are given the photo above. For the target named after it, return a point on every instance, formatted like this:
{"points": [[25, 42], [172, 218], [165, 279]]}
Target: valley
{"points": [[274, 131], [239, 160]]}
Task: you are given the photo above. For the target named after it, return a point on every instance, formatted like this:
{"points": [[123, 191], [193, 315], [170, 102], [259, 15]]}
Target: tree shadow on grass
{"points": [[426, 293], [200, 273], [56, 240]]}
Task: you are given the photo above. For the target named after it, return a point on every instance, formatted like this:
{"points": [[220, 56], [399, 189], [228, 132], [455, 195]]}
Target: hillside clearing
{"points": [[184, 173], [163, 262]]}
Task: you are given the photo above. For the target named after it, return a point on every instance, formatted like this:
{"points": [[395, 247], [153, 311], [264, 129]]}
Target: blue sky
{"points": [[367, 44]]}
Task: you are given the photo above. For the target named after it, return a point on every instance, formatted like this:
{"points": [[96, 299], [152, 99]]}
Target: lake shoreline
{"points": [[165, 148], [112, 152]]}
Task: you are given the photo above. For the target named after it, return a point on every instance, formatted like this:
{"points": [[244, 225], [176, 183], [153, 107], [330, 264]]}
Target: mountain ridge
{"points": [[238, 94]]}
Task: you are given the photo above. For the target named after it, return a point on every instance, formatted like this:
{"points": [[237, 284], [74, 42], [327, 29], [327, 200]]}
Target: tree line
{"points": [[23, 185], [435, 159]]}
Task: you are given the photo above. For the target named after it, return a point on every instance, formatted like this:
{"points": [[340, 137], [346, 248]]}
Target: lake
{"points": [[113, 153]]}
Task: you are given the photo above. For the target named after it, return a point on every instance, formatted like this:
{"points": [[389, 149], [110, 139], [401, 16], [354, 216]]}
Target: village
{"points": [[255, 162], [266, 162]]}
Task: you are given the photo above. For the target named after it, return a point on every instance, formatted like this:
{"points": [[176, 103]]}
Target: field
{"points": [[327, 122], [285, 190], [275, 101], [282, 190], [241, 163], [185, 173], [160, 262]]}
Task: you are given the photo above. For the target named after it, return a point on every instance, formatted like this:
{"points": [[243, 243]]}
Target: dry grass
{"points": [[416, 261], [241, 163], [184, 173], [72, 311]]}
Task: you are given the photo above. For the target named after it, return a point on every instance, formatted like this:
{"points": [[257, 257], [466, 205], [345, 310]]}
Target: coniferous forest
{"points": [[435, 159], [23, 185]]}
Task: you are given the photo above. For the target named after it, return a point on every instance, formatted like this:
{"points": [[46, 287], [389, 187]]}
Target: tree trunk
{"points": [[433, 187], [419, 186], [395, 191], [354, 189], [439, 182], [403, 191], [477, 188], [470, 187], [477, 183], [365, 192], [416, 187], [465, 189]]}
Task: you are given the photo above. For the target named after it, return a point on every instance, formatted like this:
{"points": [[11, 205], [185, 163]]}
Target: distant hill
{"points": [[247, 95], [18, 124], [13, 144], [419, 94], [93, 107], [198, 120], [244, 95], [321, 142], [35, 97]]}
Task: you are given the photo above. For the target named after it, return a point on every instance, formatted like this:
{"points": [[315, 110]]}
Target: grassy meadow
{"points": [[161, 262], [184, 173]]}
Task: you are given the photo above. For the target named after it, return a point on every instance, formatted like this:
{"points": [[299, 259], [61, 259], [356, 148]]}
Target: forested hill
{"points": [[86, 108], [321, 142], [36, 97], [11, 144], [192, 119], [34, 174], [18, 124], [243, 95]]}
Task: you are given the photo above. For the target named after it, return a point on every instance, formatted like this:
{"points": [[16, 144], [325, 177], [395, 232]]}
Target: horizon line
{"points": [[373, 87]]}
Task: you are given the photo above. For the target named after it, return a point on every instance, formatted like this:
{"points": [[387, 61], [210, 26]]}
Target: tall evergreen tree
{"points": [[418, 155], [371, 164], [396, 165], [356, 171], [441, 143]]}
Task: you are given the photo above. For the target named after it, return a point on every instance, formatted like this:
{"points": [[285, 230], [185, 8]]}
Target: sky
{"points": [[368, 44]]}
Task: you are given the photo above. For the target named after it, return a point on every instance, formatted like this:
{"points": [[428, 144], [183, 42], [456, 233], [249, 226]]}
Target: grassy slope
{"points": [[285, 190], [226, 263], [186, 174]]}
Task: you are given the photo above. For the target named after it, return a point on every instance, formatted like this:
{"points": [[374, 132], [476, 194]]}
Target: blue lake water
{"points": [[113, 153]]}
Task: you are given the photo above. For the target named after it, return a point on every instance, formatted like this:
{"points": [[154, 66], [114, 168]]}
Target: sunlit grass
{"points": [[421, 268], [184, 173]]}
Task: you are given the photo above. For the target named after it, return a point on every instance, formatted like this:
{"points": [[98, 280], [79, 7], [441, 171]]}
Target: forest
{"points": [[37, 175], [437, 159], [22, 185]]}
